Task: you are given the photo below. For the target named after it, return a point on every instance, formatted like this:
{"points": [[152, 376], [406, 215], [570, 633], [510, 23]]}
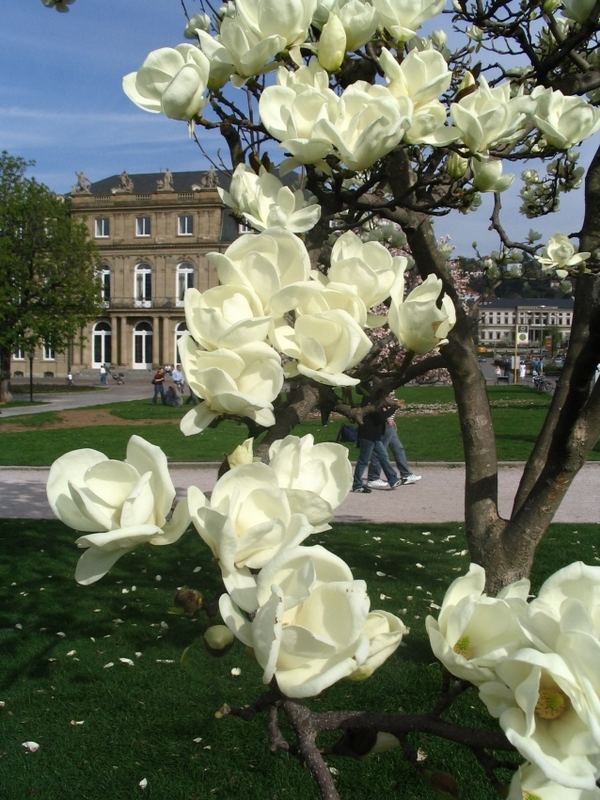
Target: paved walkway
{"points": [[436, 498]]}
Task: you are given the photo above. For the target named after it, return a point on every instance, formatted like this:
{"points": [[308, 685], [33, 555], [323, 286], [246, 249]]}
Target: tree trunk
{"points": [[5, 393]]}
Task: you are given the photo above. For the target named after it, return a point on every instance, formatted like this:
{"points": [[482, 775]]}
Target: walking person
{"points": [[103, 375], [158, 382], [370, 440], [177, 378], [391, 441]]}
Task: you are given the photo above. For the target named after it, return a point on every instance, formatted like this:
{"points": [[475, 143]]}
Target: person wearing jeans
{"points": [[370, 441], [390, 440]]}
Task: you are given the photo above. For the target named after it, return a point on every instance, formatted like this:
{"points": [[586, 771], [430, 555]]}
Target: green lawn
{"points": [[155, 719], [518, 413]]}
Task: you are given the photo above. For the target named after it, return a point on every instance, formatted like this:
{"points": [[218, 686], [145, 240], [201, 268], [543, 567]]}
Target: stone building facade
{"points": [[528, 322], [153, 232]]}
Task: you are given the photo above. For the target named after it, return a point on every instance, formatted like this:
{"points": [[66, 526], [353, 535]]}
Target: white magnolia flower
{"points": [[560, 255], [314, 297], [544, 710], [242, 454], [358, 19], [487, 175], [563, 120], [385, 632], [265, 202], [309, 629], [289, 19], [325, 346], [264, 263], [299, 111], [402, 18], [474, 631], [489, 116], [417, 322], [246, 523], [119, 504], [225, 316], [368, 267], [172, 81], [239, 51], [197, 22], [423, 75], [316, 477], [529, 782], [368, 124], [242, 383]]}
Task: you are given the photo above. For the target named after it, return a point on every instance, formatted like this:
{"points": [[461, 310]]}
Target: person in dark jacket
{"points": [[370, 439]]}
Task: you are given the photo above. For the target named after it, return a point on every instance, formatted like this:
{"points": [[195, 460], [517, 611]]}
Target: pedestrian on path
{"points": [[103, 375], [391, 441], [158, 382], [370, 439]]}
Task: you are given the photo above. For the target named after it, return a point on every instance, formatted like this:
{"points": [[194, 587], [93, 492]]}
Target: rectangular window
{"points": [[185, 225], [185, 280], [19, 354], [102, 228], [105, 286], [143, 226], [47, 352], [143, 287]]}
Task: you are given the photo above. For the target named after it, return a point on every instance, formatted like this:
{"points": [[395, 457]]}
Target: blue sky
{"points": [[61, 104]]}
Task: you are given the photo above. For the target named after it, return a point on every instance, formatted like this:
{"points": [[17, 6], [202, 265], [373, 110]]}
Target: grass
{"points": [[517, 412], [156, 719]]}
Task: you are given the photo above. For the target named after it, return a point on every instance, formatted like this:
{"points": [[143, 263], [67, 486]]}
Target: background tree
{"points": [[48, 283]]}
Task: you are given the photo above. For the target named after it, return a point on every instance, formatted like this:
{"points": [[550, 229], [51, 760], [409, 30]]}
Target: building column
{"points": [[124, 343], [156, 360], [167, 349]]}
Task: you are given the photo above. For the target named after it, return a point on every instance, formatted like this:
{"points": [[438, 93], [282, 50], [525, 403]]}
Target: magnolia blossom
{"points": [[488, 116], [265, 202], [529, 782], [358, 19], [309, 629], [368, 124], [119, 504], [299, 111], [264, 263], [423, 75], [289, 19], [560, 255], [385, 632], [563, 120], [324, 346], [402, 18], [195, 23], [473, 631], [417, 321], [170, 81], [487, 175], [331, 49], [310, 472], [314, 297], [367, 267], [239, 50], [242, 383], [225, 316], [246, 523]]}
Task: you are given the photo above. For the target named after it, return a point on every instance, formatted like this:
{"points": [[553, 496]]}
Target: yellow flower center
{"points": [[552, 703], [529, 796], [463, 647]]}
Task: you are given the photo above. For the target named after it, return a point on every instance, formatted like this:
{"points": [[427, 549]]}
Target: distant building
{"points": [[153, 231], [528, 320]]}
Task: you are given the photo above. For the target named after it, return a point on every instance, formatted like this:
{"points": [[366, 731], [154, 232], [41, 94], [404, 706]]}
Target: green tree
{"points": [[48, 284]]}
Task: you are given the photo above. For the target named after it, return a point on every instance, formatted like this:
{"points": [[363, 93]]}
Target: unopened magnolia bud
{"points": [[439, 38], [332, 44], [456, 166], [218, 639], [466, 83]]}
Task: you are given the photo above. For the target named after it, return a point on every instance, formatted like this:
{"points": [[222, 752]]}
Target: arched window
{"points": [[180, 329], [142, 286], [142, 345], [101, 344], [185, 280]]}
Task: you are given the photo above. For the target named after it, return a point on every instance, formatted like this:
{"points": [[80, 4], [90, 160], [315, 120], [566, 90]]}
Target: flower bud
{"points": [[439, 38], [456, 166], [332, 44], [218, 639]]}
